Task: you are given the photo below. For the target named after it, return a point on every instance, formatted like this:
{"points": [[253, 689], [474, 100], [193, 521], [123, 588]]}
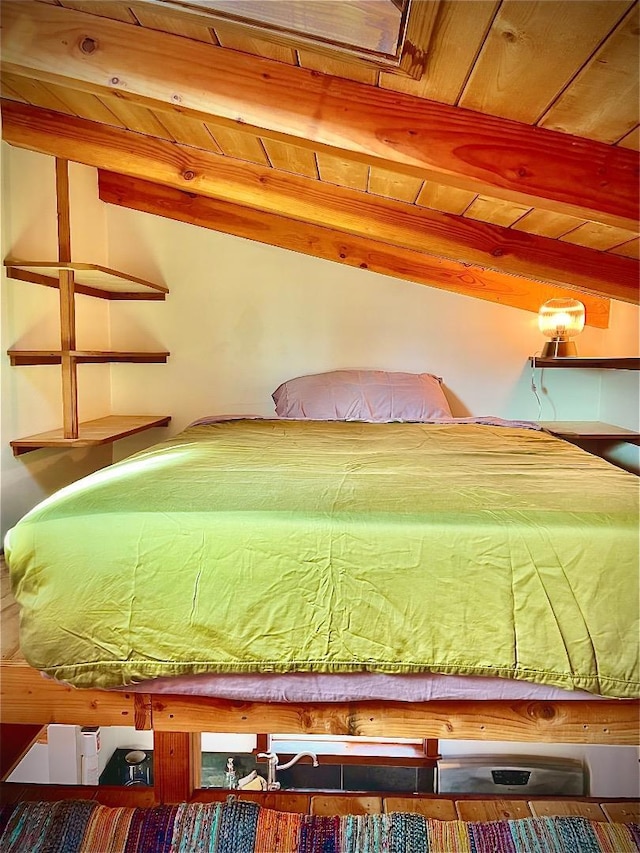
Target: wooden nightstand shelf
{"points": [[590, 430], [595, 363]]}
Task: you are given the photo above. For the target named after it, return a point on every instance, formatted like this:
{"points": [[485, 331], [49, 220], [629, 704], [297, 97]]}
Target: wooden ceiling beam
{"points": [[308, 200], [449, 145], [365, 253]]}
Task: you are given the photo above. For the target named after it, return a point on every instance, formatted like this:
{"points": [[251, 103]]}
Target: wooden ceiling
{"points": [[494, 154]]}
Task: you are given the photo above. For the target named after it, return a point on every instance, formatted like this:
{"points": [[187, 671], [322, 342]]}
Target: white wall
{"points": [[240, 318]]}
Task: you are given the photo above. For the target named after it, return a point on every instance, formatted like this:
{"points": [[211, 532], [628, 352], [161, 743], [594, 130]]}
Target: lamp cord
{"points": [[533, 385]]}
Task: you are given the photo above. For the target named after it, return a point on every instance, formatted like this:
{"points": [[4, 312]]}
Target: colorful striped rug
{"points": [[71, 826]]}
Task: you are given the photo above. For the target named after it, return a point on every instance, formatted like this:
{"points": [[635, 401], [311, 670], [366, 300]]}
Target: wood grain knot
{"points": [[188, 175], [88, 45]]}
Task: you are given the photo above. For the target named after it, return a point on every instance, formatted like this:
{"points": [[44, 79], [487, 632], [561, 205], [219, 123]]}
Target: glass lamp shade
{"points": [[560, 320]]}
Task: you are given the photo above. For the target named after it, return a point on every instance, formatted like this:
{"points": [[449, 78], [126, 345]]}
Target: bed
{"points": [[386, 550]]}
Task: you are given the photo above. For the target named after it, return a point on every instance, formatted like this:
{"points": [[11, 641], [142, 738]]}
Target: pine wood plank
{"points": [[67, 305], [566, 808], [91, 433], [176, 765], [346, 173], [547, 224], [587, 108], [338, 208], [186, 130], [498, 809], [394, 185], [531, 52], [631, 140], [34, 92], [156, 18], [364, 253], [328, 805], [104, 8], [421, 19], [622, 812], [459, 31], [83, 104], [496, 211], [628, 250], [601, 721], [236, 40], [435, 808], [238, 144], [26, 697], [597, 236], [625, 363], [591, 430], [135, 116], [284, 802], [32, 357], [291, 158], [445, 199], [465, 149], [7, 92], [91, 275], [338, 67]]}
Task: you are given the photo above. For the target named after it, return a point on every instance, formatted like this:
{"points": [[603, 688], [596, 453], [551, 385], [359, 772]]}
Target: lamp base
{"points": [[559, 348]]}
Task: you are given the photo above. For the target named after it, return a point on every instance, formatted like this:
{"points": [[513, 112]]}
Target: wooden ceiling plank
{"points": [[362, 252], [421, 19], [346, 210], [445, 199], [188, 131], [394, 185], [459, 32], [433, 141], [596, 236], [547, 224], [36, 93], [338, 67], [84, 104], [346, 173], [496, 211], [532, 51], [134, 116], [7, 92], [291, 158], [103, 8], [631, 139], [628, 250], [234, 40], [179, 25], [238, 144], [602, 102]]}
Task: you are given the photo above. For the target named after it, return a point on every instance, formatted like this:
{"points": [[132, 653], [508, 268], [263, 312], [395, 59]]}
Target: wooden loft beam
{"points": [[438, 142], [362, 252], [343, 210]]}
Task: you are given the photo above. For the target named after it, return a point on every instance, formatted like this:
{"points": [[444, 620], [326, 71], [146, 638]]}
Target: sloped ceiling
{"points": [[499, 161]]}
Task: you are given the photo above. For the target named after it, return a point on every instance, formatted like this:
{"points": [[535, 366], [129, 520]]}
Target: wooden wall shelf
{"points": [[26, 357], [597, 363], [591, 430], [91, 433], [89, 279], [71, 278]]}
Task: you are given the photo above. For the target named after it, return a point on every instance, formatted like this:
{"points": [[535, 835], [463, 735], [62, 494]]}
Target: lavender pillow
{"points": [[362, 395]]}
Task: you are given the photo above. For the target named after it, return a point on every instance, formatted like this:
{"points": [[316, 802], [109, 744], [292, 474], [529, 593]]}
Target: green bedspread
{"points": [[273, 546]]}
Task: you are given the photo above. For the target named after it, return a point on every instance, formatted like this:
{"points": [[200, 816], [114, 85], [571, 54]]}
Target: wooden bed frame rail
{"points": [[27, 697]]}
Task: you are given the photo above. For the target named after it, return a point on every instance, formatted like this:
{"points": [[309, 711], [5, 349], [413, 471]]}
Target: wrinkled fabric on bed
{"points": [[273, 546]]}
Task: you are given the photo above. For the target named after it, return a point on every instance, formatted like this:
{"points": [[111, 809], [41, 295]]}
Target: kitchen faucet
{"points": [[273, 766]]}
